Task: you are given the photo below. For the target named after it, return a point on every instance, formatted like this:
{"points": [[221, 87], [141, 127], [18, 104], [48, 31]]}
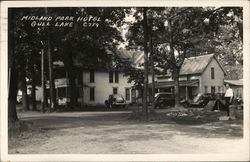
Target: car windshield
{"points": [[197, 98], [118, 96]]}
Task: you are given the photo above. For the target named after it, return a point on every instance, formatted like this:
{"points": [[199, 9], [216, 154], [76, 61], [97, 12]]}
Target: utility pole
{"points": [[145, 90]]}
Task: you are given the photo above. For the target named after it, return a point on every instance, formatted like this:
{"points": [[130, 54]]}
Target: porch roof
{"points": [[191, 83]]}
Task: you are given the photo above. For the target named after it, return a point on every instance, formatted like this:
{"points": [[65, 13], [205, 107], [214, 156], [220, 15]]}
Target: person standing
{"points": [[229, 95]]}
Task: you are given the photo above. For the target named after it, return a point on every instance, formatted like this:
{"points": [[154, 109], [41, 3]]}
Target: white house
{"points": [[200, 74], [98, 85]]}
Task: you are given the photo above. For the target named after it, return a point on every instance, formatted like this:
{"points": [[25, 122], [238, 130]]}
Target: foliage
{"points": [[194, 30]]}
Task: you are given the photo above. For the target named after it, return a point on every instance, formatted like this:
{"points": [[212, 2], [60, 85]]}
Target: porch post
{"points": [[187, 97]]}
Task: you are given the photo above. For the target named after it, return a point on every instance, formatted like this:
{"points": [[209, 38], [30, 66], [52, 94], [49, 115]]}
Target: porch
{"points": [[188, 88]]}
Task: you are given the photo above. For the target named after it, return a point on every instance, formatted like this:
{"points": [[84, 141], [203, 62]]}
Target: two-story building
{"points": [[100, 84], [200, 74], [97, 83]]}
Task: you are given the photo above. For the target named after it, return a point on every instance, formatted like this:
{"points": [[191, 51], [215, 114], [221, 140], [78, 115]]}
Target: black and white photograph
{"points": [[100, 82]]}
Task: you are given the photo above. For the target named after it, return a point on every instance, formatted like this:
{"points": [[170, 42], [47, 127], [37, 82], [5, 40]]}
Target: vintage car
{"points": [[115, 100], [200, 100], [163, 99]]}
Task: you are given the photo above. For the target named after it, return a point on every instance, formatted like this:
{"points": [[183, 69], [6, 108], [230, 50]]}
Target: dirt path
{"points": [[112, 132]]}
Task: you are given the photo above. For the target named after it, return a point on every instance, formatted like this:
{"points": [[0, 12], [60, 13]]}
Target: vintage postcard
{"points": [[125, 80]]}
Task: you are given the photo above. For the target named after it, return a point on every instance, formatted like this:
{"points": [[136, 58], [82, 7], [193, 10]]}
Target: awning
{"points": [[189, 83], [234, 82]]}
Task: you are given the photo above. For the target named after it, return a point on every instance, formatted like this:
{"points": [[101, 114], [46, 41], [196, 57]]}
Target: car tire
{"points": [[185, 105]]}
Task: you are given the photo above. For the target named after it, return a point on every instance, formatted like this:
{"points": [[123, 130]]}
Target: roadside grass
{"points": [[182, 115]]}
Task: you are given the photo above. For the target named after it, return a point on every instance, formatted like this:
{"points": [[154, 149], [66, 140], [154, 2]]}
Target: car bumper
{"points": [[119, 104]]}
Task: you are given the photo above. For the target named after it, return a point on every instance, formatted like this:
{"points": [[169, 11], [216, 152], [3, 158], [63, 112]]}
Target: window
{"points": [[91, 76], [213, 90], [117, 77], [127, 94], [219, 89], [206, 89], [92, 94], [115, 90], [111, 77], [212, 73]]}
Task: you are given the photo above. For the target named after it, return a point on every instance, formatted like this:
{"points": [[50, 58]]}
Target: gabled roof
{"points": [[132, 56], [197, 64]]}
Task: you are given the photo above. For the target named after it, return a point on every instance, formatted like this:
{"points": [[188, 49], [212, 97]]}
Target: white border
{"points": [[243, 156]]}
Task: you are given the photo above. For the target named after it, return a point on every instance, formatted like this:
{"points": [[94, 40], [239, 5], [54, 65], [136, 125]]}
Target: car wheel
{"points": [[185, 105]]}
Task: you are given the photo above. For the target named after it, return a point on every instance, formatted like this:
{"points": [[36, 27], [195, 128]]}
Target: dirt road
{"points": [[113, 133]]}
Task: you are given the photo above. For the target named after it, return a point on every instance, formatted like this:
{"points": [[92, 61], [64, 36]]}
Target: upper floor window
{"points": [[92, 76], [117, 77], [212, 73], [111, 77]]}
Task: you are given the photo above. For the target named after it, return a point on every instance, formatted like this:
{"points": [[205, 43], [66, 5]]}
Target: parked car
{"points": [[200, 100], [163, 99], [116, 100]]}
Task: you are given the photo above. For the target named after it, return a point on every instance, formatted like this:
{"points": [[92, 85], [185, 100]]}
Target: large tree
{"points": [[88, 45], [180, 32]]}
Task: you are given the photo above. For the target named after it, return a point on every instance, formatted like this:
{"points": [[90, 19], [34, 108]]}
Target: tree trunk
{"points": [[44, 99], [51, 78], [72, 89], [13, 73], [12, 114], [25, 99], [152, 67], [176, 88], [33, 89], [175, 68], [145, 91], [70, 74]]}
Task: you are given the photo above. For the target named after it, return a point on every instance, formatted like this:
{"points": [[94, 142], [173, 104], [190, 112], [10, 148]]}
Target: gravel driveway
{"points": [[113, 133]]}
